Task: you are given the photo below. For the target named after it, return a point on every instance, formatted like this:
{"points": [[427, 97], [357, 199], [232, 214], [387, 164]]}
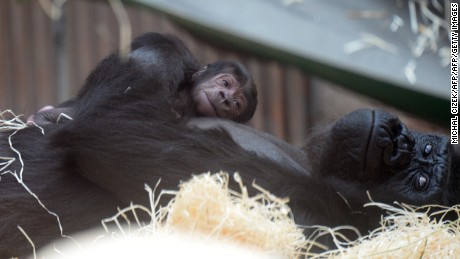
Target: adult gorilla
{"points": [[84, 169]]}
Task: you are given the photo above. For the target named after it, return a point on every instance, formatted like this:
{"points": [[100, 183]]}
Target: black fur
{"points": [[86, 168], [158, 68]]}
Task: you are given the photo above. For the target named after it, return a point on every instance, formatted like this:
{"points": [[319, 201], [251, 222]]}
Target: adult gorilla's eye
{"points": [[225, 83], [421, 182], [427, 150]]}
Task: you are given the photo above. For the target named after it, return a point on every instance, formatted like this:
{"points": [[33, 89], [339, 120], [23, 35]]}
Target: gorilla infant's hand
{"points": [[49, 115]]}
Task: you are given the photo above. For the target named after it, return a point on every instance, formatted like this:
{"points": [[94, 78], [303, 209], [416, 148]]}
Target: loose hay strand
{"points": [[207, 207], [125, 27], [122, 213], [15, 124], [29, 240], [407, 232]]}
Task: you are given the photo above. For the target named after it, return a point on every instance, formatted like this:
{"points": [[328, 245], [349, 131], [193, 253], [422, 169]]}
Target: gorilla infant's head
{"points": [[372, 153]]}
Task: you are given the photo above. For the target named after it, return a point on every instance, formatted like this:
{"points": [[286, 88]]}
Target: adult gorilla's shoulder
{"points": [[252, 140]]}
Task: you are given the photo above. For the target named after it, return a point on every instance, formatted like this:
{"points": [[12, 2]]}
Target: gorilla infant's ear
{"points": [[199, 72]]}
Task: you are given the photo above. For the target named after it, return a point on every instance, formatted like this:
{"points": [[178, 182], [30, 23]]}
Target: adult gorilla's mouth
{"points": [[350, 142]]}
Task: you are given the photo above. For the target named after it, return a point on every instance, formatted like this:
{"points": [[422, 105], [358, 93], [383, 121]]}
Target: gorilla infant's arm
{"points": [[160, 67]]}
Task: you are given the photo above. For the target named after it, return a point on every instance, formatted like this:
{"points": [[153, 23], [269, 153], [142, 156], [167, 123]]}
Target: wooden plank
{"points": [[44, 88], [254, 67], [20, 53], [81, 23], [274, 104], [297, 105], [87, 42], [6, 85], [149, 20], [106, 28], [72, 40], [318, 32]]}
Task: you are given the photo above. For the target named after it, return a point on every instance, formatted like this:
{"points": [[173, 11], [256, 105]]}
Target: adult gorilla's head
{"points": [[372, 155]]}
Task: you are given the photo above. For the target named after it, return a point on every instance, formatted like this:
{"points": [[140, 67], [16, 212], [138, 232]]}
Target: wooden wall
{"points": [[45, 61]]}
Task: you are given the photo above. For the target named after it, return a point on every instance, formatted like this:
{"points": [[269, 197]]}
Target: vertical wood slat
{"points": [[106, 31], [274, 104], [296, 105], [255, 67], [149, 21], [82, 25], [28, 77], [25, 70], [15, 56], [6, 84], [21, 50], [71, 38], [43, 85]]}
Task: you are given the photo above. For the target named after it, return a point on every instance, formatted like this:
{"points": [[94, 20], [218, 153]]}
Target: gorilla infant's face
{"points": [[372, 151], [219, 96]]}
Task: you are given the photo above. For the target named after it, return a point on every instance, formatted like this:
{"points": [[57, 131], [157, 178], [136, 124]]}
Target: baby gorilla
{"points": [[222, 89]]}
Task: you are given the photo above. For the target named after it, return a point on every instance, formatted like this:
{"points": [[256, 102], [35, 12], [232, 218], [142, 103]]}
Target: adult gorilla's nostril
{"points": [[397, 153]]}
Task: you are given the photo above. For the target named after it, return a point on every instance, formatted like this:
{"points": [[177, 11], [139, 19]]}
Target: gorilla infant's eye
{"points": [[421, 182], [237, 103], [225, 83], [427, 150]]}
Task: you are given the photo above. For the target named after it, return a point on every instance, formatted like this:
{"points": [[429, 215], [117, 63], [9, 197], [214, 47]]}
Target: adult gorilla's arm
{"points": [[156, 68], [156, 65], [120, 154], [122, 148]]}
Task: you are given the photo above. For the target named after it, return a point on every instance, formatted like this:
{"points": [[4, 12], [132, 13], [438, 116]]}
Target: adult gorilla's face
{"points": [[372, 153]]}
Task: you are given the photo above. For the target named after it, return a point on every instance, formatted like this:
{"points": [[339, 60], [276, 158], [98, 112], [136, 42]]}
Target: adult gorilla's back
{"points": [[85, 169]]}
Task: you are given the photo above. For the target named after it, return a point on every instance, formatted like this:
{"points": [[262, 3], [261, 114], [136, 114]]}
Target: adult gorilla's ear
{"points": [[198, 73]]}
